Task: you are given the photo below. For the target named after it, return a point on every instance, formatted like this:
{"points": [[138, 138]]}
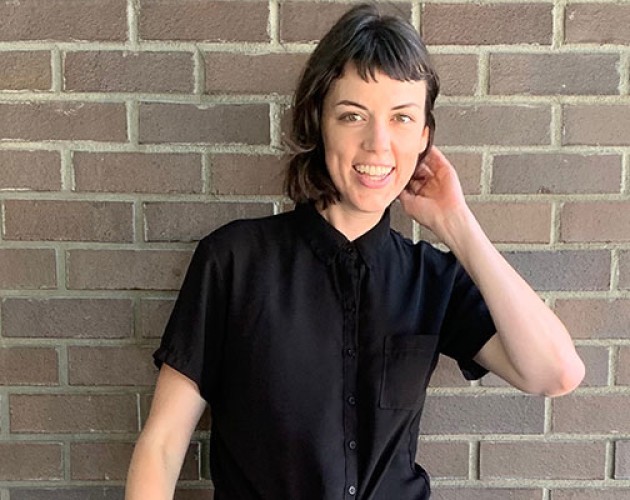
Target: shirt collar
{"points": [[327, 242]]}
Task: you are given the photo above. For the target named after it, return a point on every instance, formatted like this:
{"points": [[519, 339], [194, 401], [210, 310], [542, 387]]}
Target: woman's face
{"points": [[373, 133]]}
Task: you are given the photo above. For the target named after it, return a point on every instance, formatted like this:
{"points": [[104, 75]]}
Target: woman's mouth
{"points": [[375, 172]]}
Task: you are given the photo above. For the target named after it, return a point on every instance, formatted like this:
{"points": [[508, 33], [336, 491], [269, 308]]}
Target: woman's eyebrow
{"points": [[346, 102]]}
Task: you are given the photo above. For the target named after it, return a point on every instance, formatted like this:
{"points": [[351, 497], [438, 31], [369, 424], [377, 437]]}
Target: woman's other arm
{"points": [[164, 440], [532, 349]]}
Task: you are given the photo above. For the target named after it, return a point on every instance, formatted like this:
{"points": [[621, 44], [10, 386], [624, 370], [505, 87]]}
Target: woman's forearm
{"points": [[152, 474], [538, 346]]}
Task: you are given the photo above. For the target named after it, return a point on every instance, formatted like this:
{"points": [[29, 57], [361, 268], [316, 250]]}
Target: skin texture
{"points": [[378, 122]]}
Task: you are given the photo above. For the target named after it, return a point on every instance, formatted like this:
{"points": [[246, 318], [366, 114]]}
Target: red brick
{"points": [[591, 125], [459, 24], [67, 318], [591, 414], [137, 172], [102, 461], [514, 222], [468, 166], [127, 365], [202, 20], [116, 71], [552, 74], [597, 23], [22, 268], [73, 413], [591, 494], [309, 21], [623, 366], [193, 221], [488, 414], [444, 459], [556, 174], [25, 70], [563, 269], [69, 493], [231, 73], [622, 460], [68, 220], [49, 121], [482, 125], [28, 366], [233, 123], [484, 493], [596, 361], [30, 170], [153, 315], [624, 270], [63, 20], [28, 461], [457, 72], [595, 221], [595, 318], [246, 174], [127, 269], [542, 460]]}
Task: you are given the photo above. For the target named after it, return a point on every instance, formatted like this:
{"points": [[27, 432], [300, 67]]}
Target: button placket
{"points": [[349, 279]]}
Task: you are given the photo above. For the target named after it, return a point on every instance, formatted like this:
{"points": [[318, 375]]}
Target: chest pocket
{"points": [[407, 362]]}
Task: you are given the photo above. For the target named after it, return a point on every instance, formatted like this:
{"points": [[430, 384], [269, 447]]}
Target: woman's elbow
{"points": [[570, 374]]}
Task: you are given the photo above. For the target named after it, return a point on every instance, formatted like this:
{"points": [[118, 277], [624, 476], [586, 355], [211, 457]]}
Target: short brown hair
{"points": [[373, 42]]}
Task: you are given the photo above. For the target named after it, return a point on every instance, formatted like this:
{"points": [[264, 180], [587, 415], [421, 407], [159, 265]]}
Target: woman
{"points": [[312, 334]]}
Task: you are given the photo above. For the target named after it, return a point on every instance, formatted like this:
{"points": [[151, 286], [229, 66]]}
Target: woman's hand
{"points": [[434, 193]]}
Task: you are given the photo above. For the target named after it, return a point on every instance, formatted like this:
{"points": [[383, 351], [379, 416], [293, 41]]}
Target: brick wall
{"points": [[130, 128]]}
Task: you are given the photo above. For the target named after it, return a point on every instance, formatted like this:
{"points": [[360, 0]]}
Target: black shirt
{"points": [[314, 354]]}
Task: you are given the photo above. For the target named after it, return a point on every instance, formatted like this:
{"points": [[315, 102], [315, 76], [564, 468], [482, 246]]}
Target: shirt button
{"points": [[352, 445], [351, 352], [351, 400], [352, 490]]}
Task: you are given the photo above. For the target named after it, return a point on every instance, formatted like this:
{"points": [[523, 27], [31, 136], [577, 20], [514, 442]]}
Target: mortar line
{"points": [[483, 74], [199, 72], [275, 128], [474, 460], [133, 122], [625, 174], [56, 68], [559, 13], [133, 8], [609, 461], [546, 494], [139, 227], [547, 424], [5, 420], [273, 26], [554, 236], [67, 173], [556, 126], [416, 15], [485, 181], [613, 356], [62, 359], [624, 73], [614, 269]]}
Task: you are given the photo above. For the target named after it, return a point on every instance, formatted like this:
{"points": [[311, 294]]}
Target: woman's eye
{"points": [[404, 118], [351, 117]]}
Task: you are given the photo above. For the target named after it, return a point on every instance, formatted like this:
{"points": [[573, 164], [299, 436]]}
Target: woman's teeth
{"points": [[373, 171]]}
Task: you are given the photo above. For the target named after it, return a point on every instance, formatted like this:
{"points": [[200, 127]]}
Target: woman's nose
{"points": [[377, 137]]}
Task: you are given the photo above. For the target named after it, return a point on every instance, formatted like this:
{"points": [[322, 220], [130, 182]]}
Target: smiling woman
{"points": [[313, 334]]}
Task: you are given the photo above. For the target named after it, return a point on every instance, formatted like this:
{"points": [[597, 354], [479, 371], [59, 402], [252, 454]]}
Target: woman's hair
{"points": [[372, 42]]}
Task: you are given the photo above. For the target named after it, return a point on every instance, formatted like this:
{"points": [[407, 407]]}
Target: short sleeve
{"points": [[192, 339], [467, 324]]}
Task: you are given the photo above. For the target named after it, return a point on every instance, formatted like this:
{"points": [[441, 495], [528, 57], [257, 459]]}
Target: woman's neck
{"points": [[351, 223]]}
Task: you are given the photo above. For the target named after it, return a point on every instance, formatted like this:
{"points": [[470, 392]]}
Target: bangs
{"points": [[378, 48]]}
